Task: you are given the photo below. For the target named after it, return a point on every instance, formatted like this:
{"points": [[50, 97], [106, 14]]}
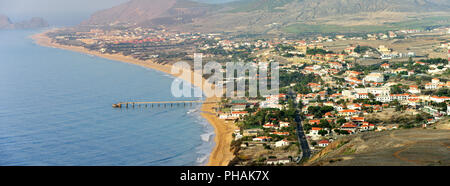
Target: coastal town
{"points": [[330, 86]]}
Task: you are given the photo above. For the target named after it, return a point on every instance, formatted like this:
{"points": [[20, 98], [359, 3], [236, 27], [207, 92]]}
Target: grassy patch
{"points": [[349, 151]]}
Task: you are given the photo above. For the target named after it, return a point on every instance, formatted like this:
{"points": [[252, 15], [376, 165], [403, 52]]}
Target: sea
{"points": [[56, 110]]}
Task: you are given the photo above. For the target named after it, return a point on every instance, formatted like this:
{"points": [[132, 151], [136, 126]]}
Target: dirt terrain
{"points": [[409, 147], [420, 44]]}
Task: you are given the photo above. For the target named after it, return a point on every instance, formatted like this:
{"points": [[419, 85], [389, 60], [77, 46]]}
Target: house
{"points": [[252, 132], [433, 84], [439, 99], [328, 115], [284, 124], [238, 107], [414, 89], [362, 96], [354, 106], [265, 104], [374, 90], [336, 65], [414, 102], [385, 66], [353, 73], [314, 86], [348, 112], [282, 143], [374, 77], [358, 119], [309, 116], [239, 113], [269, 126], [399, 70], [315, 131], [420, 63], [383, 98], [400, 97], [262, 139], [314, 122], [353, 80], [351, 128], [430, 86], [233, 115], [278, 161], [323, 143]]}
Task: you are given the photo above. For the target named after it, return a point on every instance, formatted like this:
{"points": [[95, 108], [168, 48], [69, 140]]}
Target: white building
{"points": [[374, 90], [281, 143], [375, 77], [413, 89], [278, 161], [323, 143]]}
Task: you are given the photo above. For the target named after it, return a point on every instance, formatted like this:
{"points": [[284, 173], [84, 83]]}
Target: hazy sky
{"points": [[57, 12], [60, 12]]}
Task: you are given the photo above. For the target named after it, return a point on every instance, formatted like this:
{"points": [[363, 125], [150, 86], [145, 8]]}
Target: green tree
{"points": [[323, 132]]}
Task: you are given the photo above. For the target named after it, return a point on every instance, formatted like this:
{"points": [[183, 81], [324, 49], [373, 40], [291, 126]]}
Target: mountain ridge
{"points": [[258, 14]]}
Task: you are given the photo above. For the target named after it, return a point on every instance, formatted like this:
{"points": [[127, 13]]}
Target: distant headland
{"points": [[35, 22]]}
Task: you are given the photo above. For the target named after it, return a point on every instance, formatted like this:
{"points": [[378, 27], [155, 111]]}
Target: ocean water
{"points": [[55, 109]]}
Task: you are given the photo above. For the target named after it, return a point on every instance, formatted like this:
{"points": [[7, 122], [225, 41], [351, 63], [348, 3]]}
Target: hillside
{"points": [[150, 12], [270, 15], [411, 147]]}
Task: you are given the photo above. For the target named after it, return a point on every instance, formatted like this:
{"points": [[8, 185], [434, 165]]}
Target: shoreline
{"points": [[221, 154]]}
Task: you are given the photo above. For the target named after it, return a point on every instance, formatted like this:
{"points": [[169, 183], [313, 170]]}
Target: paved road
{"points": [[306, 151]]}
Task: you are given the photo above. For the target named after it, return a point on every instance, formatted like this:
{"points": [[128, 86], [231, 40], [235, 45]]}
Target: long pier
{"points": [[159, 104]]}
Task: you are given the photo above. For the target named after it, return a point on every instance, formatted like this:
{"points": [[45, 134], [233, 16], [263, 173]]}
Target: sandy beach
{"points": [[221, 154]]}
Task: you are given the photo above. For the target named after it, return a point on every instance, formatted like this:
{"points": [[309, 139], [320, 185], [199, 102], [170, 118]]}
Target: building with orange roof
{"points": [[323, 143], [348, 112], [314, 122]]}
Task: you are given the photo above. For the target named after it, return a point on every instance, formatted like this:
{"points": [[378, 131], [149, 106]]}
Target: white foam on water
{"points": [[204, 150]]}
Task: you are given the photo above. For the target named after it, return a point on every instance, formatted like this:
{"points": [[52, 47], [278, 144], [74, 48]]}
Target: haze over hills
{"points": [[4, 21], [267, 15], [215, 1], [35, 22], [150, 12]]}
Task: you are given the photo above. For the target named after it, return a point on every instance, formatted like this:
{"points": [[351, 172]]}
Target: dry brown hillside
{"points": [[266, 15], [409, 147]]}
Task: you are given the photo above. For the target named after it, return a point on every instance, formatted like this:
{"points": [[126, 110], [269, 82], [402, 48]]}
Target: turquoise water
{"points": [[55, 109]]}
